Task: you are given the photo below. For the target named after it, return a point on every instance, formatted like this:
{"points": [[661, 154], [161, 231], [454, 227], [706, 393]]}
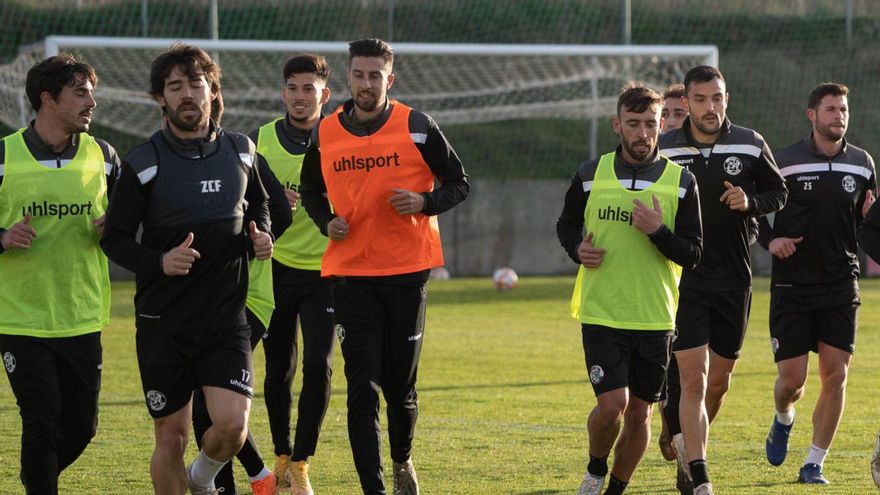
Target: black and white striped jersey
{"points": [[825, 198], [739, 156]]}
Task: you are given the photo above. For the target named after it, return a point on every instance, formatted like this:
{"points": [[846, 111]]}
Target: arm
{"points": [[683, 245], [771, 192], [765, 231], [314, 190], [257, 198], [446, 166], [868, 233], [127, 208], [279, 208], [570, 225]]}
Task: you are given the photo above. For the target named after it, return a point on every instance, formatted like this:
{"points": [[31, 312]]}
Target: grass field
{"points": [[504, 399]]}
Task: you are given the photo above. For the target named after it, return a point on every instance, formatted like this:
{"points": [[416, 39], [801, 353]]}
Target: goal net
{"points": [[499, 88]]}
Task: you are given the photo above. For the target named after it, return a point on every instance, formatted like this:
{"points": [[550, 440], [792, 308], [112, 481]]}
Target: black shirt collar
{"points": [[686, 139], [36, 144], [196, 147], [811, 146]]}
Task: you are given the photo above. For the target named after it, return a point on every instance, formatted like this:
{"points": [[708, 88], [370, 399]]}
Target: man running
{"points": [[195, 189], [641, 215]]}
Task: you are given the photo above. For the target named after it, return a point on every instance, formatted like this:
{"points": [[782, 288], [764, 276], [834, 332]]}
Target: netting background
{"points": [[771, 51]]}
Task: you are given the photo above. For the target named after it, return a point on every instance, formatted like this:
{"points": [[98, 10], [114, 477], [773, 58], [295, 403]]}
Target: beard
{"points": [[188, 124], [639, 156], [366, 101], [705, 128], [830, 133]]}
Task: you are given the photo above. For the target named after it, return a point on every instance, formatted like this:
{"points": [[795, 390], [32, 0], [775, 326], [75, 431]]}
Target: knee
{"points": [[693, 384], [719, 383], [834, 379], [232, 428], [790, 386], [611, 411], [637, 416], [171, 438]]}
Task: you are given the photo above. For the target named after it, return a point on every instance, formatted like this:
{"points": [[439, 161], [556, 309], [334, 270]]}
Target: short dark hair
{"points": [[824, 89], [371, 47], [307, 63], [52, 74], [674, 91], [636, 97], [192, 61], [701, 74]]}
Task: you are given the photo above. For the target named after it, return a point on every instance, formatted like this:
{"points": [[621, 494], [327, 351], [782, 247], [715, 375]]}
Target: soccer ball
{"points": [[505, 278], [439, 273]]}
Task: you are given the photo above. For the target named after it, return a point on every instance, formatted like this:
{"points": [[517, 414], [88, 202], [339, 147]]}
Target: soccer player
{"points": [[195, 190], [814, 298], [299, 290], [377, 159], [738, 179], [674, 111], [641, 215], [54, 181]]}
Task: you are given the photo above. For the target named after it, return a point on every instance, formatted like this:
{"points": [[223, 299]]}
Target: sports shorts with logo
{"points": [[636, 359], [717, 318], [174, 362], [799, 320]]}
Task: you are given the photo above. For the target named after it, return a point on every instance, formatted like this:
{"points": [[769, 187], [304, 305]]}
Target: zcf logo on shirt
{"points": [[209, 186], [9, 362], [849, 183], [597, 374], [733, 165], [156, 400]]}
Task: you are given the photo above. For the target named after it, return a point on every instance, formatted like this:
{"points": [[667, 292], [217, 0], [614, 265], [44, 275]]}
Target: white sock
{"points": [[203, 470], [816, 455], [261, 476], [786, 418]]}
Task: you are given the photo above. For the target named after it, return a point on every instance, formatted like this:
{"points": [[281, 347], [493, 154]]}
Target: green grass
{"points": [[504, 400]]}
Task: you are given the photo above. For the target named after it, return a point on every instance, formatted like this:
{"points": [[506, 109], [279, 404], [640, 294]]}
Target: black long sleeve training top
{"points": [[682, 245], [741, 157], [824, 207], [172, 186]]}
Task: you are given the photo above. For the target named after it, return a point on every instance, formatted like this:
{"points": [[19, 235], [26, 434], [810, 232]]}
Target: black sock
{"points": [[250, 458], [598, 466], [699, 472], [615, 486], [225, 480]]}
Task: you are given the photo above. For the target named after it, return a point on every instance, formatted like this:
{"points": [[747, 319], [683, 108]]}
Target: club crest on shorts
{"points": [[774, 344], [340, 332], [849, 183], [597, 374], [156, 400], [9, 362], [733, 165]]}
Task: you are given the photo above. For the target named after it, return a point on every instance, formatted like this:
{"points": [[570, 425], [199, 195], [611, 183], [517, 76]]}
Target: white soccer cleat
{"points": [[592, 485], [875, 463], [405, 481], [681, 455], [704, 489]]}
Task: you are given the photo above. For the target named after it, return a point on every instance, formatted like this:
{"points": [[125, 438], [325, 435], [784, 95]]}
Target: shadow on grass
{"points": [[499, 385]]}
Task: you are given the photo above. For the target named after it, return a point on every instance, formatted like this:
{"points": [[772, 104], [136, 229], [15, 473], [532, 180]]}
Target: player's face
{"points": [[187, 100], [831, 118], [673, 114], [707, 104], [369, 80], [304, 95], [74, 104], [638, 132]]}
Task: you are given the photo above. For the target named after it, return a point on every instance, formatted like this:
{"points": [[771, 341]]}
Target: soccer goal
{"points": [[454, 83]]}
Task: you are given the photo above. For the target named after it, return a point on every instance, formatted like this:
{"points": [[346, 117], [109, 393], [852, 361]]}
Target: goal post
{"points": [[457, 84]]}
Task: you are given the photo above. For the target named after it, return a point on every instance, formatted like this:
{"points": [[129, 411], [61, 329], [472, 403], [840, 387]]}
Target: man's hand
{"points": [[407, 202], [735, 197], [262, 242], [99, 224], [783, 247], [591, 257], [647, 220], [337, 229], [19, 236], [180, 260], [869, 200], [292, 197]]}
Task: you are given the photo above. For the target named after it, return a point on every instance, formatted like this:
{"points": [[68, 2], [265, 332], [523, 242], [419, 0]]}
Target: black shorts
{"points": [[799, 321], [627, 358], [173, 363], [717, 318]]}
